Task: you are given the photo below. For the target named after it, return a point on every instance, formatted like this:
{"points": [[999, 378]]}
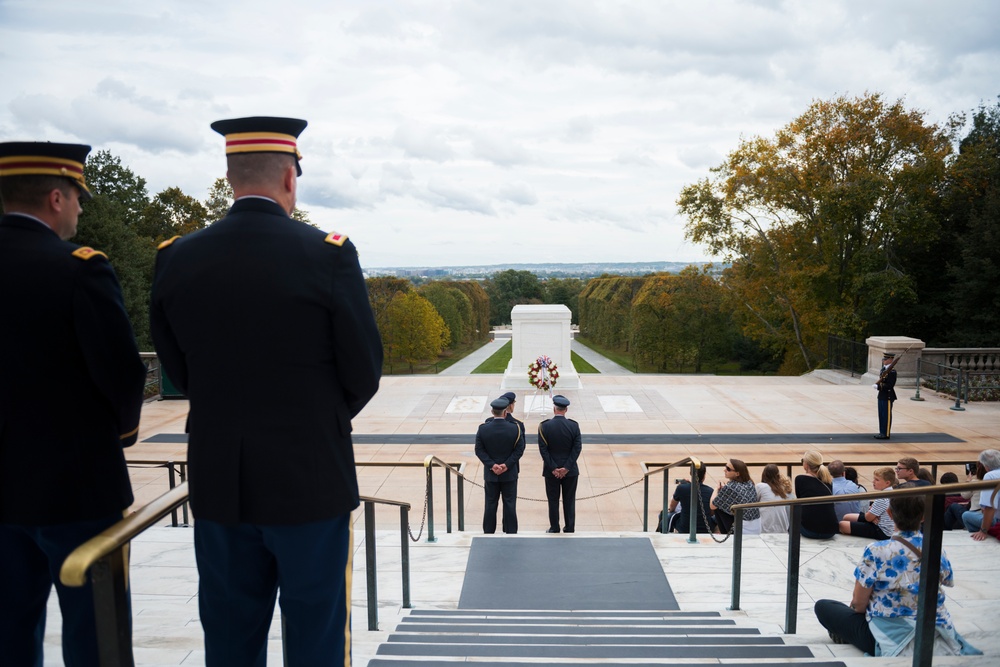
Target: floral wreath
{"points": [[542, 373]]}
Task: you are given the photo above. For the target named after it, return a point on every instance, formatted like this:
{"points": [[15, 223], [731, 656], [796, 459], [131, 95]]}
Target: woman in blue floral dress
{"points": [[882, 617]]}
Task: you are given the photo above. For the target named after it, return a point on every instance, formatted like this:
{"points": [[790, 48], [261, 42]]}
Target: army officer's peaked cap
{"points": [[499, 403], [43, 158], [262, 134]]}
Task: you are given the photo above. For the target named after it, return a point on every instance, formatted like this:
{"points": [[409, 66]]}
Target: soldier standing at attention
{"points": [[886, 395], [70, 396], [560, 444], [500, 445], [263, 302]]}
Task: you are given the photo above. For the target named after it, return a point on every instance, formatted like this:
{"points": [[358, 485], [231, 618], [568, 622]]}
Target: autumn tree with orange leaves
{"points": [[812, 219]]}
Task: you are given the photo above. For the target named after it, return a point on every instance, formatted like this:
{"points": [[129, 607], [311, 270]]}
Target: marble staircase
{"points": [[520, 638]]}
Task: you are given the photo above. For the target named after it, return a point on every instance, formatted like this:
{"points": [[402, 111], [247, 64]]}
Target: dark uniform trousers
{"points": [[560, 445], [500, 441], [260, 300], [886, 396], [70, 398]]}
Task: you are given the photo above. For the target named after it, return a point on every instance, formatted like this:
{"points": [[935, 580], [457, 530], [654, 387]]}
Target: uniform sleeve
{"points": [[167, 349], [543, 448], [105, 335], [481, 453], [577, 448], [358, 350], [518, 450]]}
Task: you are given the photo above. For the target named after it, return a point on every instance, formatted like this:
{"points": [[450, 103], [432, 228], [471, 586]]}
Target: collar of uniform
{"points": [[18, 220], [259, 204]]}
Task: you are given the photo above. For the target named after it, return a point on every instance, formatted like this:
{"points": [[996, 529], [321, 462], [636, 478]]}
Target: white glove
{"points": [[874, 386]]}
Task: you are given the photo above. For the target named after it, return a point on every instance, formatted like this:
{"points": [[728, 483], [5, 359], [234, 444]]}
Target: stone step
{"points": [[404, 662], [717, 651], [724, 628], [589, 640]]}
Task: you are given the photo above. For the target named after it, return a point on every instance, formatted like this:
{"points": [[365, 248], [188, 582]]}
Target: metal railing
{"points": [[103, 558], [930, 562], [941, 378], [694, 465], [431, 462], [650, 469], [175, 469], [847, 355], [152, 363]]}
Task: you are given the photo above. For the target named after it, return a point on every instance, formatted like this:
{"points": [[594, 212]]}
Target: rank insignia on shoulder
{"points": [[166, 244], [333, 238], [88, 253]]}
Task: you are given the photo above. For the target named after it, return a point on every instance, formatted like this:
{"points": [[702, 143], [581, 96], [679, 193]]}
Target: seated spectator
{"points": [[882, 617], [979, 523], [774, 486], [906, 471], [876, 523], [819, 522], [925, 474], [682, 498], [851, 473], [739, 489], [841, 487], [953, 511]]}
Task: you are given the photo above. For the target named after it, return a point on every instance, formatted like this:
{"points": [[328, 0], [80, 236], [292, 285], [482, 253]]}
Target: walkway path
{"points": [[472, 361], [599, 361]]}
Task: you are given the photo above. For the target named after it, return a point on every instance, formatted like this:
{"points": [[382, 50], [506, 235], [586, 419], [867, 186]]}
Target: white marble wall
{"points": [[540, 330]]}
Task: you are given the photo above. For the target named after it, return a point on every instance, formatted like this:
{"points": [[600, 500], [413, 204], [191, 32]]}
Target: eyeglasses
{"points": [[728, 469], [899, 468]]}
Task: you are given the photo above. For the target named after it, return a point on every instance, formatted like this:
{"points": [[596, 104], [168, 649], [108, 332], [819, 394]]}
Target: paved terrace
{"points": [[626, 420]]}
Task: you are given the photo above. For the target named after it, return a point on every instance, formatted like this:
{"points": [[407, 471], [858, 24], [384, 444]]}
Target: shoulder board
{"points": [[333, 238], [88, 253], [544, 421], [166, 244]]}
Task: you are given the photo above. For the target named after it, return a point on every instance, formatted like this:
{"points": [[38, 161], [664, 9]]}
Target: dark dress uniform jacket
{"points": [[70, 380], [268, 330], [886, 388], [499, 441], [560, 444]]}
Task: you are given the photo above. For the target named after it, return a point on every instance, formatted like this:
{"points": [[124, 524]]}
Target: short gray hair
{"points": [[990, 459]]}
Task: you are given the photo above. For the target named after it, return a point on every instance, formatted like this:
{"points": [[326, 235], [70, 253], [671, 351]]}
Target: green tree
{"points": [[109, 223], [381, 291], [479, 302], [171, 213], [453, 307], [973, 218], [565, 291], [220, 199], [813, 220], [509, 288], [415, 330]]}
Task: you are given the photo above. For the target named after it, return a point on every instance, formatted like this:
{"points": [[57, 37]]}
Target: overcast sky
{"points": [[478, 131]]}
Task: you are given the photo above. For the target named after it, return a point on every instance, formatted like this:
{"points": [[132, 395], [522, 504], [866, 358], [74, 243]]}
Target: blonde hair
{"points": [[886, 474], [813, 461], [781, 485]]}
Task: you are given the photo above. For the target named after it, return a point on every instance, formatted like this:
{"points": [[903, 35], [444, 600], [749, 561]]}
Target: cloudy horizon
{"points": [[473, 132]]}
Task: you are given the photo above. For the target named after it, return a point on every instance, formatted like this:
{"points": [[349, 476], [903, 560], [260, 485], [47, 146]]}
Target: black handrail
{"points": [[430, 462], [930, 562]]}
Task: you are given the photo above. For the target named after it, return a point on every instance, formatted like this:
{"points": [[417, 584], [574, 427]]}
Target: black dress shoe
{"points": [[552, 530], [881, 437]]}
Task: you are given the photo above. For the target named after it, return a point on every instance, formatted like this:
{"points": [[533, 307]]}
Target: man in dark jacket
{"points": [[264, 323], [886, 396], [70, 396], [560, 444], [500, 445]]}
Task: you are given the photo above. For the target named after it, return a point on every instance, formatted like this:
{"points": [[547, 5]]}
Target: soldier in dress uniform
{"points": [[500, 445], [560, 444], [264, 323], [70, 396], [886, 395]]}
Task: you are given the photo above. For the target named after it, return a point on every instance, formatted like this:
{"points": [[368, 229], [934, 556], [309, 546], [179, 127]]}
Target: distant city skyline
{"points": [[479, 132]]}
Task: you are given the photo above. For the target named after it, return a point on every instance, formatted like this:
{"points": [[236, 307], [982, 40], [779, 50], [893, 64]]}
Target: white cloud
{"points": [[568, 122]]}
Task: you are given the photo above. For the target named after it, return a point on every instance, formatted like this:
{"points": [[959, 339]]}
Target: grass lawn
{"points": [[623, 360], [447, 358], [498, 362]]}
